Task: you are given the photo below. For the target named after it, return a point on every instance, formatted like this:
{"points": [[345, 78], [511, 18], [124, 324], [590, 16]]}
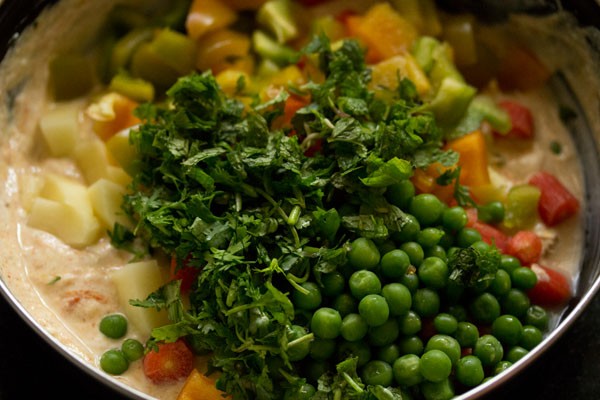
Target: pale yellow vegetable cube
{"points": [[135, 281], [67, 191], [92, 159], [386, 74], [60, 128], [122, 151], [118, 175], [69, 224], [30, 186], [106, 198]]}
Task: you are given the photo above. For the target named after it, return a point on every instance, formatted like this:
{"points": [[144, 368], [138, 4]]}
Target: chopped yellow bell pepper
{"points": [[219, 49], [111, 114], [200, 387], [386, 73], [208, 15]]}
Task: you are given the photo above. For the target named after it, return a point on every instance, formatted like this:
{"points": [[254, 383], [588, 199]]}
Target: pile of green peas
{"points": [[116, 361], [393, 307]]}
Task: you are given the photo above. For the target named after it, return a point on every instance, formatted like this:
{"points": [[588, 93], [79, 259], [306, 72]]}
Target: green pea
{"points": [[436, 251], [398, 297], [507, 329], [442, 390], [467, 236], [400, 194], [410, 323], [427, 208], [407, 370], [114, 362], [485, 308], [113, 326], [377, 372], [388, 353], [411, 281], [458, 311], [132, 349], [515, 353], [358, 349], [433, 272], [531, 337], [411, 345], [364, 282], [297, 350], [333, 284], [429, 237], [384, 334], [305, 391], [426, 302], [481, 246], [394, 264], [445, 323], [345, 304], [363, 254], [354, 327], [516, 303], [435, 365], [489, 350], [374, 309], [326, 323], [310, 300], [501, 367], [385, 246], [501, 283], [538, 317], [469, 371], [466, 334], [414, 251], [509, 263], [322, 349], [444, 343], [523, 278], [409, 230], [491, 213], [454, 218]]}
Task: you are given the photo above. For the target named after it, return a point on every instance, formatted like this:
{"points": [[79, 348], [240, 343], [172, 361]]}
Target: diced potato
{"points": [[92, 159], [122, 151], [106, 198], [67, 191], [118, 175], [60, 128], [71, 225], [30, 186], [136, 281]]}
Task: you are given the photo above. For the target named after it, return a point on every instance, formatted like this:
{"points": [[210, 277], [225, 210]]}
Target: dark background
{"points": [[570, 369]]}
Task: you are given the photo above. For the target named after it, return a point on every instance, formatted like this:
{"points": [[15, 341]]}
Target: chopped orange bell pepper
{"points": [[473, 158], [385, 32], [200, 387], [111, 114], [292, 104], [208, 15], [425, 182]]}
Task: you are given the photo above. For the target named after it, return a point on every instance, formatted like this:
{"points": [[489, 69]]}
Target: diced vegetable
{"points": [[521, 206], [199, 386], [175, 49], [133, 88], [277, 16], [270, 49], [552, 288], [92, 158], [126, 46], [387, 73], [149, 66], [219, 49], [520, 69], [492, 235], [526, 246], [483, 108], [135, 281], [450, 102], [106, 197], [67, 191], [112, 113], [60, 128], [123, 151], [459, 31], [473, 158], [521, 120], [556, 203], [71, 76], [171, 362], [208, 15]]}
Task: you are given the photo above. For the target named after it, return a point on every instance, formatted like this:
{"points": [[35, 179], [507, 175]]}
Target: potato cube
{"points": [[106, 198], [67, 191], [92, 159], [135, 281], [60, 128]]}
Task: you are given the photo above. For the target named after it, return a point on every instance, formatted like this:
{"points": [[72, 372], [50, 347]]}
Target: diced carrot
{"points": [[293, 103], [520, 69], [552, 287], [526, 246], [473, 158], [521, 119], [118, 115], [187, 274], [200, 387], [556, 202], [208, 15], [172, 361], [492, 235]]}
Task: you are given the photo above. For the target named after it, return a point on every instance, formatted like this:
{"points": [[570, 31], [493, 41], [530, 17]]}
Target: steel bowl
{"points": [[32, 361]]}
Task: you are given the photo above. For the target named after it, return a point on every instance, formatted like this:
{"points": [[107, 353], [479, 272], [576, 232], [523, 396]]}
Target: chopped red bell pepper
{"points": [[556, 203], [552, 288], [526, 246], [187, 274], [492, 235], [521, 119]]}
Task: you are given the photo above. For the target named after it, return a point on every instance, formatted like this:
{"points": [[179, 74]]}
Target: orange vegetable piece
{"points": [[473, 158], [208, 15], [425, 182], [218, 49], [114, 114], [200, 387], [172, 361], [292, 104], [383, 31]]}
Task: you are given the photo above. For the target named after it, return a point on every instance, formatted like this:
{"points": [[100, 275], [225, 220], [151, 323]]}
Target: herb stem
{"points": [[275, 204], [306, 338], [352, 382]]}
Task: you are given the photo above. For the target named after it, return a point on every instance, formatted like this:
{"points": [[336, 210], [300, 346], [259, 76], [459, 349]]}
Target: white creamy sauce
{"points": [[71, 307]]}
